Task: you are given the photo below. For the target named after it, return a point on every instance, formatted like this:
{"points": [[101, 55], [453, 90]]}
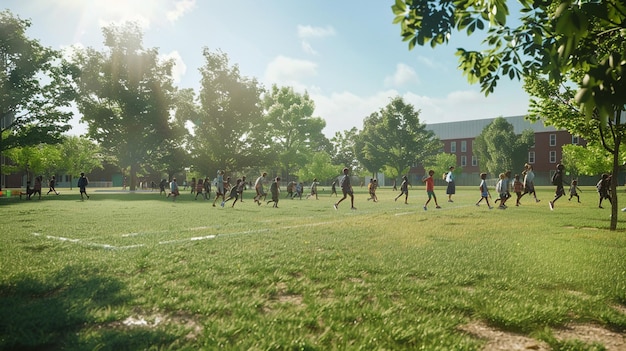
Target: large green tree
{"points": [[290, 127], [551, 38], [126, 97], [230, 109], [395, 139], [35, 88], [499, 149], [344, 149], [555, 104]]}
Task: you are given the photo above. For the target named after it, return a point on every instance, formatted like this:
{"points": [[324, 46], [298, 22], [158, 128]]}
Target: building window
{"points": [[474, 161], [574, 139], [552, 139], [463, 160], [463, 146], [552, 156], [453, 146], [531, 157]]}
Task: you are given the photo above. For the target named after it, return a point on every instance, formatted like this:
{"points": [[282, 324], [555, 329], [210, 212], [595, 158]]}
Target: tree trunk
{"points": [[133, 177], [614, 176]]}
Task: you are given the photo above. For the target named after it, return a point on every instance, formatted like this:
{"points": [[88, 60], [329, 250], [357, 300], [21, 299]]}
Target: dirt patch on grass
{"points": [[498, 340], [160, 320]]}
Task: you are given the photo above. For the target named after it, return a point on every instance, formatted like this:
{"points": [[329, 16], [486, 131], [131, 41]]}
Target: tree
{"points": [[79, 155], [35, 88], [319, 167], [499, 149], [344, 148], [441, 163], [395, 138], [126, 96], [553, 39], [291, 128], [229, 111]]}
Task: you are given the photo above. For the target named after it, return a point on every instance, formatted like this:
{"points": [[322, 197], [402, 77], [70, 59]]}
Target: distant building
{"points": [[458, 139]]}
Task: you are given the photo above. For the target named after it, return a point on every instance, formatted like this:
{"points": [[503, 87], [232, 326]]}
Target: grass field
{"points": [[128, 271]]}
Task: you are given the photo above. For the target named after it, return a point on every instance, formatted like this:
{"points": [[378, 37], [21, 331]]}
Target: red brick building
{"points": [[458, 138]]}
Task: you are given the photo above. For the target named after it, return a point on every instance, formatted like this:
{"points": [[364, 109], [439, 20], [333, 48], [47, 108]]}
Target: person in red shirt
{"points": [[430, 189]]}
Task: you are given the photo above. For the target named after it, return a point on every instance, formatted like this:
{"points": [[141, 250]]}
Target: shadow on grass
{"points": [[71, 310]]}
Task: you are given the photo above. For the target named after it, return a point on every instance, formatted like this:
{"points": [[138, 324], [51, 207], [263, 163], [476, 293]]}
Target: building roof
{"points": [[473, 128]]}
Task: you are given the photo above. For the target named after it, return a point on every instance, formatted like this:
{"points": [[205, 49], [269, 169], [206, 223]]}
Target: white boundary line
{"points": [[176, 241]]}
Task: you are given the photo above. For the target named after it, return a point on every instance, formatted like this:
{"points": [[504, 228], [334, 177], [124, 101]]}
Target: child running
{"points": [[234, 193], [603, 187], [275, 191], [518, 187], [484, 190], [573, 190], [404, 189], [557, 180], [430, 189], [346, 188]]}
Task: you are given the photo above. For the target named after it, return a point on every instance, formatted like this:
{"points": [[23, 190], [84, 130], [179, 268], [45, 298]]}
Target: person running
{"points": [[207, 188], [404, 190], [275, 191], [502, 188], [484, 191], [199, 187], [573, 190], [373, 185], [258, 187], [430, 189], [51, 185], [333, 188], [221, 189], [604, 186], [290, 187], [240, 188], [518, 187], [451, 189], [83, 181], [557, 180], [529, 181], [162, 186], [234, 193], [346, 189], [314, 185], [174, 192], [299, 190]]}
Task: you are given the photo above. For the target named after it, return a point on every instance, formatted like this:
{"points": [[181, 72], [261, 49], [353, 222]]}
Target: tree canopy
{"points": [[35, 88], [499, 149], [394, 139], [126, 97]]}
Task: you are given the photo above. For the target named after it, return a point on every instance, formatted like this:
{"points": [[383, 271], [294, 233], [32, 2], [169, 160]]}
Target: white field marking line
{"points": [[213, 236], [78, 241], [128, 235]]}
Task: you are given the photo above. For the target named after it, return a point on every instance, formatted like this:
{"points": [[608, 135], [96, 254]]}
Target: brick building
{"points": [[458, 137]]}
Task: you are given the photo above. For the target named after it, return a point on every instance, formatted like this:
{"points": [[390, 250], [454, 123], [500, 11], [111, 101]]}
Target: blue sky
{"points": [[347, 54]]}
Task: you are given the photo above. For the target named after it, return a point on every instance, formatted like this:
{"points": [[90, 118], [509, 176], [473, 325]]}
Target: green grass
{"points": [[82, 275]]}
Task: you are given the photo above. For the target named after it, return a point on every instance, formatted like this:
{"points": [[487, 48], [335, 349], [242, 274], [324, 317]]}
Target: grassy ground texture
{"points": [[127, 271]]}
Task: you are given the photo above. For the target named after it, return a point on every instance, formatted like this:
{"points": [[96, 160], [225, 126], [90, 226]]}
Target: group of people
{"points": [[506, 185]]}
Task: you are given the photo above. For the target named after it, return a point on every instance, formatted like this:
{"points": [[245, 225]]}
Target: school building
{"points": [[458, 139]]}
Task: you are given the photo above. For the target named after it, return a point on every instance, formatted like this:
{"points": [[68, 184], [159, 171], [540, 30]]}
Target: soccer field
{"points": [[139, 271]]}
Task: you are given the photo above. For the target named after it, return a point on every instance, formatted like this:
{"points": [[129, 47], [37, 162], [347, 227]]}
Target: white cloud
{"points": [[306, 47], [403, 75], [310, 32], [180, 68], [289, 71], [141, 21], [180, 8], [315, 32]]}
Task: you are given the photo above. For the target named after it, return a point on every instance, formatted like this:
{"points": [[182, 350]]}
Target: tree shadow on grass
{"points": [[60, 312]]}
